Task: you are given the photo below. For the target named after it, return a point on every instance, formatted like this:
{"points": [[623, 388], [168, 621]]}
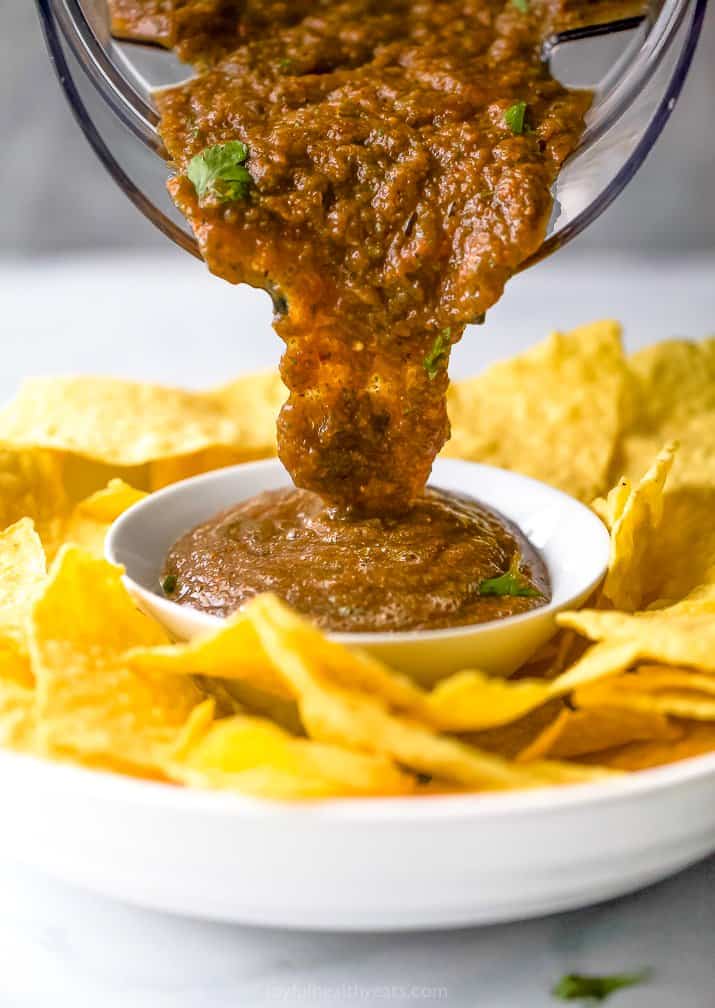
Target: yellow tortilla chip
{"points": [[604, 659], [234, 651], [610, 508], [681, 692], [339, 716], [575, 733], [90, 704], [554, 412], [673, 397], [674, 380], [470, 701], [17, 697], [23, 575], [698, 738], [31, 486], [680, 560], [228, 753], [248, 699], [256, 399], [682, 704], [91, 519], [652, 678], [120, 423], [637, 521], [106, 505], [23, 572], [349, 667], [663, 635], [84, 431]]}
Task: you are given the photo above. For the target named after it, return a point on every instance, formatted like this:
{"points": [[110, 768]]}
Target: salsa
{"points": [[382, 167], [448, 561]]}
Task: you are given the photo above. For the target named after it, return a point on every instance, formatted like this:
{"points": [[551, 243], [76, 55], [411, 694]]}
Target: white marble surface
{"points": [[65, 949], [62, 947]]}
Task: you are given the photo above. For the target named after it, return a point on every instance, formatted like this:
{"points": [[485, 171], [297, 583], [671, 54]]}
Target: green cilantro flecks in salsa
{"points": [[577, 986], [511, 582], [521, 5], [515, 117], [439, 354], [219, 173]]}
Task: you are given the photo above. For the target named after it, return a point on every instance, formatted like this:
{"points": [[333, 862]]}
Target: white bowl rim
{"points": [[383, 637], [627, 786]]}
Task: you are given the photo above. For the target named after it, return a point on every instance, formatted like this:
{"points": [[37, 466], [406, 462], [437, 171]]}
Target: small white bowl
{"points": [[571, 539]]}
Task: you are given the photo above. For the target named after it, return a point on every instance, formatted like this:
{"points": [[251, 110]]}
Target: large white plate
{"points": [[361, 864]]}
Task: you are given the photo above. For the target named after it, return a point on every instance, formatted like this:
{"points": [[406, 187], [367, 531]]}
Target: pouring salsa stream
{"points": [[382, 168]]}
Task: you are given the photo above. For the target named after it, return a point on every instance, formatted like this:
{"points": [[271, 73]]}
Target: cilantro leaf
{"points": [[515, 117], [521, 5], [511, 582], [169, 584], [219, 174], [439, 354], [575, 986]]}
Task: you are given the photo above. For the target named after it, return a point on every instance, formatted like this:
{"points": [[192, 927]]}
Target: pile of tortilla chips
{"points": [[267, 705]]}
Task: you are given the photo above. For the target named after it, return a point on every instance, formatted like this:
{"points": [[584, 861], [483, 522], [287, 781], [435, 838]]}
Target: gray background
{"points": [[57, 197], [136, 316]]}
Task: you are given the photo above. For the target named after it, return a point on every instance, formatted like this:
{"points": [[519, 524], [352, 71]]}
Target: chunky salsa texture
{"points": [[382, 167]]}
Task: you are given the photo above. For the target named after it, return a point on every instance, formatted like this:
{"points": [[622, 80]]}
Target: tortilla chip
{"points": [[363, 722], [23, 573], [117, 422], [698, 738], [576, 733], [94, 429], [347, 667], [31, 486], [234, 651], [228, 753], [682, 704], [91, 519], [681, 692], [238, 696], [17, 697], [652, 678], [22, 577], [610, 508], [90, 704], [554, 412], [673, 397], [674, 381], [193, 730], [471, 701], [663, 635], [680, 560], [636, 522], [256, 399]]}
